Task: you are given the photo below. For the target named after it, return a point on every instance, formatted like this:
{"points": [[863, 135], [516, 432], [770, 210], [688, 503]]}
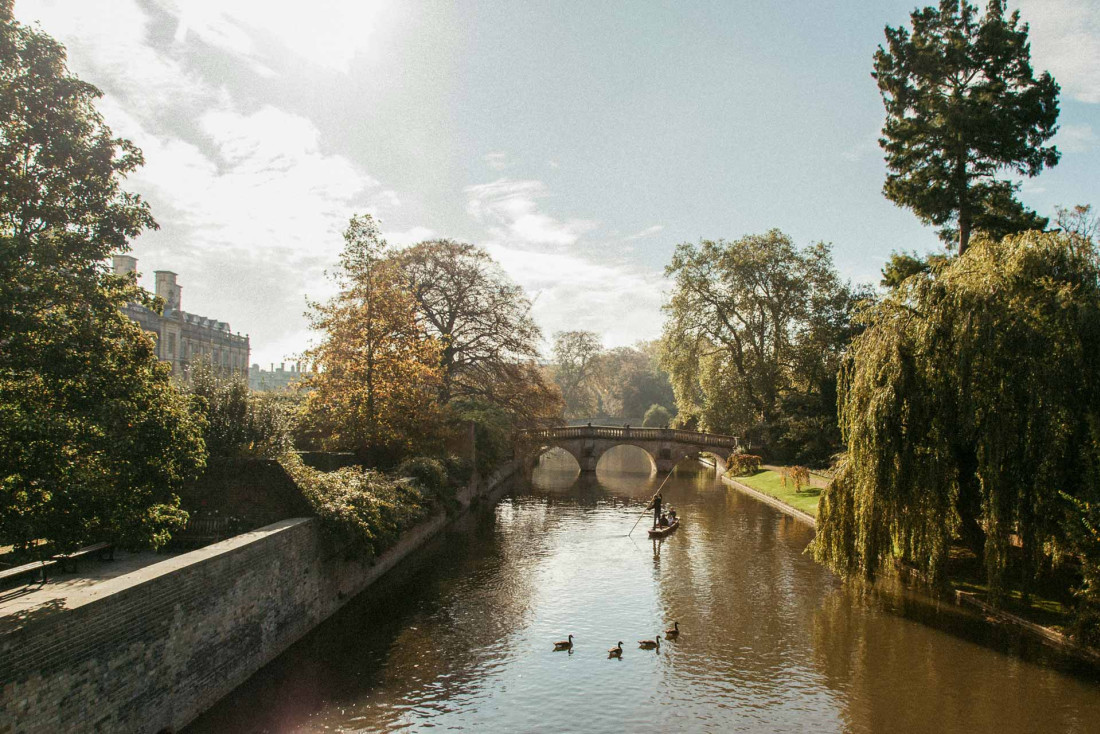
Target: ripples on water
{"points": [[461, 638]]}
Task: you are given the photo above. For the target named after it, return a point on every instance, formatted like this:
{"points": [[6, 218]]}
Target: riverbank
{"points": [[767, 487], [1042, 619], [149, 650]]}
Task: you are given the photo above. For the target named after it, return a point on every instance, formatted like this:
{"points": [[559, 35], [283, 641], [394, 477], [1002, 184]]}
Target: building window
{"points": [[172, 345]]}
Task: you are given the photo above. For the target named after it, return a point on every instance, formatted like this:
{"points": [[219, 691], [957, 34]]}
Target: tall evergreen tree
{"points": [[963, 105]]}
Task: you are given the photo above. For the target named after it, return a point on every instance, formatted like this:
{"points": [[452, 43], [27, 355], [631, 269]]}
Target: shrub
{"points": [[361, 507], [238, 422], [429, 473], [657, 416], [799, 475], [459, 469], [740, 465]]}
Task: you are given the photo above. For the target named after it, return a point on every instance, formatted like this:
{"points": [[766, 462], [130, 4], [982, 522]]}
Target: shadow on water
{"points": [[460, 635]]}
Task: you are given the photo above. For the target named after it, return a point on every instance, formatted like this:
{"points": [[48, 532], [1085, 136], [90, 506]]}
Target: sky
{"points": [[579, 142]]}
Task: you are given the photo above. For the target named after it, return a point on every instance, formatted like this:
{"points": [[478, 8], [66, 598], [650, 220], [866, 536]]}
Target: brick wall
{"points": [[152, 649]]}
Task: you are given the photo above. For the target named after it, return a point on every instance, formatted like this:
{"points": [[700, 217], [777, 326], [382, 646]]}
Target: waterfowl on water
{"points": [[564, 644], [673, 631], [617, 651], [649, 644]]}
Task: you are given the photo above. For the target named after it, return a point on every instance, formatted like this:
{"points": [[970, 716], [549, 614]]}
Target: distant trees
{"points": [[970, 406], [377, 368], [963, 105], [753, 336], [94, 437], [576, 362]]}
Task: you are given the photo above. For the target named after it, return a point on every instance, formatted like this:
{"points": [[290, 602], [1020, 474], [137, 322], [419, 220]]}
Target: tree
{"points": [[1079, 222], [377, 368], [753, 326], [963, 105], [482, 320], [576, 357], [629, 380], [656, 417], [94, 437], [969, 408]]}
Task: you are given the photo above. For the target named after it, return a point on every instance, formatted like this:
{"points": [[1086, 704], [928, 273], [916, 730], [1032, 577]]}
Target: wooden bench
{"points": [[38, 569], [68, 561]]}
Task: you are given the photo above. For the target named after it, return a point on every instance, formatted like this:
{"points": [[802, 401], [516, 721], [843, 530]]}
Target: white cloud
{"points": [[328, 33], [1065, 40], [108, 41], [644, 233], [510, 211], [621, 303], [1075, 138]]}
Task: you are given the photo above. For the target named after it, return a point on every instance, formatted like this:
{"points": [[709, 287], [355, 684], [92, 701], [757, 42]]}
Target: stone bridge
{"points": [[666, 446]]}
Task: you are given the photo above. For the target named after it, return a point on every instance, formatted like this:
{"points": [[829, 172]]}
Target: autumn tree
{"points": [[482, 321], [963, 106], [576, 367], [94, 437], [969, 407], [754, 331], [377, 368]]}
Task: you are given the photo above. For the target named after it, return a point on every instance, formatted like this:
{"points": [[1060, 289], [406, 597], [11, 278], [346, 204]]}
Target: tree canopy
{"points": [[576, 365], [377, 368], [482, 321], [969, 406], [94, 437], [753, 334], [963, 105]]}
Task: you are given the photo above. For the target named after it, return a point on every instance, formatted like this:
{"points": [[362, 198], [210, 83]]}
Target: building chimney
{"points": [[124, 264], [167, 289]]}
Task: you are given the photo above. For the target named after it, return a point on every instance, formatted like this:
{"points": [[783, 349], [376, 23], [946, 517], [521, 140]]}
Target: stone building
{"points": [[277, 379], [184, 338]]}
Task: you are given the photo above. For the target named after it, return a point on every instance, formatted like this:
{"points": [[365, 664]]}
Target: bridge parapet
{"points": [[629, 433]]}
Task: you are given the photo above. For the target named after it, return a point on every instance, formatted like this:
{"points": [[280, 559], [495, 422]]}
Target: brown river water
{"points": [[460, 637]]}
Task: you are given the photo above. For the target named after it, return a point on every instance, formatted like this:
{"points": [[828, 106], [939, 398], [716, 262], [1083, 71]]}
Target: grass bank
{"points": [[771, 483]]}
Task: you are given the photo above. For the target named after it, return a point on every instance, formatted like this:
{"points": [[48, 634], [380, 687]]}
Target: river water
{"points": [[461, 637]]}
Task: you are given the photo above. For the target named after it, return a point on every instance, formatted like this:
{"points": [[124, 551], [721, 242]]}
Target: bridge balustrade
{"points": [[623, 432]]}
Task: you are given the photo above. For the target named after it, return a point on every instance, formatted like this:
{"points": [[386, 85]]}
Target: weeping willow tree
{"points": [[969, 407]]}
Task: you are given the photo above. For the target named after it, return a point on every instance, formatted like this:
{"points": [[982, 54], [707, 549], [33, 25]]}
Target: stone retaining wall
{"points": [[149, 651]]}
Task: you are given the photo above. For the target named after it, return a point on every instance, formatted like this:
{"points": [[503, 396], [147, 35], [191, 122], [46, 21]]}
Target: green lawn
{"points": [[770, 483]]}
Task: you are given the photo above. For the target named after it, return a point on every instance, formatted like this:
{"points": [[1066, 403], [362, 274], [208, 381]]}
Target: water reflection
{"points": [[770, 641]]}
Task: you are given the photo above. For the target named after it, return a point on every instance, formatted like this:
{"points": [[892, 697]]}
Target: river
{"points": [[461, 636]]}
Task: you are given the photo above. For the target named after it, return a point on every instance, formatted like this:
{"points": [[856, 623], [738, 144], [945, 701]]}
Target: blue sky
{"points": [[578, 141]]}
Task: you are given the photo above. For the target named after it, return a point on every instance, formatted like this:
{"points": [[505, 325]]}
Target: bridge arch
{"points": [[611, 452]]}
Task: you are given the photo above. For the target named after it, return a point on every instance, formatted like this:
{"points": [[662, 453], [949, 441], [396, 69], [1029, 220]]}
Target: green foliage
{"points": [[236, 421], [963, 105], [740, 465], [362, 508], [459, 469], [657, 417], [753, 336], [968, 406], [94, 437], [430, 474]]}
